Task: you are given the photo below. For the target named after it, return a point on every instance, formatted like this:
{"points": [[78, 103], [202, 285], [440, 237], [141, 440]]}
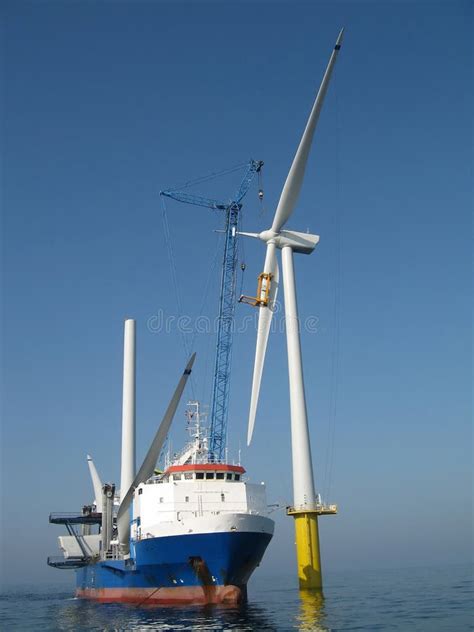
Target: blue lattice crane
{"points": [[227, 299]]}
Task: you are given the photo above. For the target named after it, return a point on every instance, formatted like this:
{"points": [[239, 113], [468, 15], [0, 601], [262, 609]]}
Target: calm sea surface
{"points": [[411, 599]]}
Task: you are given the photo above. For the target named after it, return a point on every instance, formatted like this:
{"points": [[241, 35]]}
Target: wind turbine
{"points": [[305, 506]]}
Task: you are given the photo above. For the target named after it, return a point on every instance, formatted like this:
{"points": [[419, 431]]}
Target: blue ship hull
{"points": [[193, 568]]}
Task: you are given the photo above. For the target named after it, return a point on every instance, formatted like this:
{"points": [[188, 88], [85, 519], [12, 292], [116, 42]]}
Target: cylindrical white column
{"points": [[96, 483], [303, 484], [128, 418]]}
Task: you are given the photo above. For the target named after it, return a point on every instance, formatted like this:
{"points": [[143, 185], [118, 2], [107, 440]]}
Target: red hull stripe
{"points": [[205, 467], [165, 595]]}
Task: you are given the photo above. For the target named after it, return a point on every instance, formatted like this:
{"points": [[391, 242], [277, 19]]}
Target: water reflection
{"points": [[76, 615], [311, 614], [397, 599]]}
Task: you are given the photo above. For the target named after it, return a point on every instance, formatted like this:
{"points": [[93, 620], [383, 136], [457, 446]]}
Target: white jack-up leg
{"points": [[303, 483], [128, 425], [96, 483]]}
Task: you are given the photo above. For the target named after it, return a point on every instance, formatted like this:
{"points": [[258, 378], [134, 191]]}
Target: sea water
{"points": [[418, 599]]}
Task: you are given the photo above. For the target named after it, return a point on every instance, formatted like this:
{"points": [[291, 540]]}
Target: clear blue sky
{"points": [[104, 104]]}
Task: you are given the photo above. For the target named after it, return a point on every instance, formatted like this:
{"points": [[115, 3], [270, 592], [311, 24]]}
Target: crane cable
{"points": [[241, 252], [210, 176], [174, 279], [241, 244], [261, 193], [187, 341], [207, 286]]}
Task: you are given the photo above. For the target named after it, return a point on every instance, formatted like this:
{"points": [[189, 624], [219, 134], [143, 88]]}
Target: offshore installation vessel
{"points": [[195, 532]]}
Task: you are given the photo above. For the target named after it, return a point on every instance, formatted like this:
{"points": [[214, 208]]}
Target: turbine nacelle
{"points": [[303, 243]]}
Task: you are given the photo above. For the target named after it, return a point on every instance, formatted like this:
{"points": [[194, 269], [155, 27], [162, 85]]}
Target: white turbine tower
{"points": [[305, 509]]}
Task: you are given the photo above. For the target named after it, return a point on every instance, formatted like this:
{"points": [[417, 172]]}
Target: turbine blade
{"points": [[264, 321], [96, 483], [148, 465], [294, 180], [254, 235]]}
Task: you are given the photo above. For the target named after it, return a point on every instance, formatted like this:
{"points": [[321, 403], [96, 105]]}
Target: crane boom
{"points": [[196, 200], [227, 300]]}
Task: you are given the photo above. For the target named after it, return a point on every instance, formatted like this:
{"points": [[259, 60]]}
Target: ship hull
{"points": [[194, 568], [180, 595]]}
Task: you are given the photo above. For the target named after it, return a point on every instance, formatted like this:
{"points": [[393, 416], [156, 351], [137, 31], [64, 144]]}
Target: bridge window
{"points": [[199, 475], [176, 477], [228, 476], [209, 475], [188, 476], [237, 477], [220, 475]]}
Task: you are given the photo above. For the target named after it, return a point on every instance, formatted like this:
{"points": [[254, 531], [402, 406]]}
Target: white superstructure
{"points": [[194, 495]]}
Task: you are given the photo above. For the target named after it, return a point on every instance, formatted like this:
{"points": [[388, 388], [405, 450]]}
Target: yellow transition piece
{"points": [[307, 550]]}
